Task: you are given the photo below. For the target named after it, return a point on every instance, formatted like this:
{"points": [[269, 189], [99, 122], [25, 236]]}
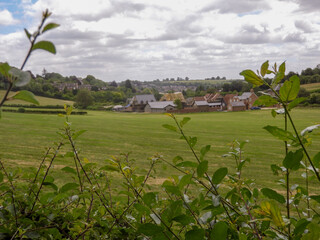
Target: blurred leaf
{"points": [[265, 100], [195, 234], [25, 96], [316, 198], [202, 168], [4, 69], [219, 231], [50, 26], [269, 193], [313, 232], [170, 127], [264, 68], [21, 77], [204, 151], [110, 168], [27, 33], [149, 198], [282, 67], [185, 180], [300, 226], [149, 229], [290, 89], [219, 175], [295, 103], [177, 159], [273, 211], [187, 164], [141, 208], [69, 170], [277, 78], [52, 185], [45, 45], [183, 219], [273, 113], [172, 189], [279, 133], [77, 134], [184, 121], [316, 160], [251, 77], [68, 187], [193, 141], [292, 159], [275, 169]]}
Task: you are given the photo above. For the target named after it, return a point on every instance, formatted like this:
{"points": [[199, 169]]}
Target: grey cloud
{"points": [[307, 5], [294, 37], [236, 6], [304, 26]]}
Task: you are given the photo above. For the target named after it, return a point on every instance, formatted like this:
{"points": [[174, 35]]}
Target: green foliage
{"points": [[84, 98]]}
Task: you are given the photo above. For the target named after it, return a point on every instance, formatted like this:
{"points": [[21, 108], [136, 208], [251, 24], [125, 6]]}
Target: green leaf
{"points": [[269, 193], [275, 169], [265, 100], [77, 134], [264, 68], [172, 189], [170, 127], [4, 69], [202, 168], [68, 187], [290, 89], [69, 170], [45, 45], [313, 232], [149, 198], [149, 229], [277, 78], [52, 185], [25, 96], [183, 219], [282, 67], [21, 78], [292, 159], [27, 33], [219, 231], [316, 160], [50, 26], [316, 198], [110, 168], [184, 121], [195, 234], [300, 226], [273, 113], [177, 159], [251, 77], [279, 133], [141, 208], [193, 141], [185, 180], [204, 151], [219, 175], [187, 164], [295, 103]]}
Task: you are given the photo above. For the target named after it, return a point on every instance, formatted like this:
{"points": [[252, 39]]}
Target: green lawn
{"points": [[24, 138], [41, 100], [311, 86]]}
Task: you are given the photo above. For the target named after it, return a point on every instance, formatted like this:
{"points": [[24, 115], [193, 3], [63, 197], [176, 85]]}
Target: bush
{"points": [[21, 110]]}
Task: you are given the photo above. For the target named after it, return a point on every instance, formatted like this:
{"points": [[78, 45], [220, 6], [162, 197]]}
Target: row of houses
{"points": [[208, 103]]}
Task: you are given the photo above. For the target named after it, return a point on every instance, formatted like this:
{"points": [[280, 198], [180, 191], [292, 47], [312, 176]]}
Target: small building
{"points": [[201, 105], [139, 102], [236, 106], [173, 97], [248, 98], [160, 107]]}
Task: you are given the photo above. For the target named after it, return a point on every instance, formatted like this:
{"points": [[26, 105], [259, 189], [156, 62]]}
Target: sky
{"points": [[147, 40]]}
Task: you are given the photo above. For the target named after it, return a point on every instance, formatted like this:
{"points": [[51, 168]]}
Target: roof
{"points": [[161, 105], [144, 98], [214, 104], [199, 99], [201, 103], [228, 97], [237, 104], [245, 95], [173, 96], [211, 97]]}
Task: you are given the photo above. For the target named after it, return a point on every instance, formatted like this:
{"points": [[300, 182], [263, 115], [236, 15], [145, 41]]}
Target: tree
{"points": [[178, 103], [84, 98], [127, 84]]}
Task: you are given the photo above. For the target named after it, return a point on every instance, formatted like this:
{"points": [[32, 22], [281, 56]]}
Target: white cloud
{"points": [[6, 18], [145, 40]]}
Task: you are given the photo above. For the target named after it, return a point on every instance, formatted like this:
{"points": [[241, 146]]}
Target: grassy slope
{"points": [[42, 100], [24, 137], [311, 86]]}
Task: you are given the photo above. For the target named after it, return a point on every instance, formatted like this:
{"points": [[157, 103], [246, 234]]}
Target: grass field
{"points": [[24, 138], [311, 86], [42, 100]]}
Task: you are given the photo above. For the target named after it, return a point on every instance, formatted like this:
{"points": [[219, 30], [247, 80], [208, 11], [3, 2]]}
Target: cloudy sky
{"points": [[147, 39]]}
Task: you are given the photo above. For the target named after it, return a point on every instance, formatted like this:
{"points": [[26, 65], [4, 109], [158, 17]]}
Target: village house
{"points": [[173, 97], [160, 107], [139, 102], [248, 98], [236, 106]]}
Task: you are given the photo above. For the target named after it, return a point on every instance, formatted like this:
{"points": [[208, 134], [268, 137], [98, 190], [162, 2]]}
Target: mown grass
{"points": [[24, 138], [311, 86], [42, 100]]}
